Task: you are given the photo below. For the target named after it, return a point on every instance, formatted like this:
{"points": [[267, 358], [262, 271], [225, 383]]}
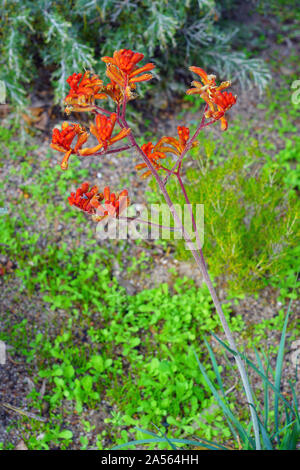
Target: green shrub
{"points": [[250, 229], [65, 37]]}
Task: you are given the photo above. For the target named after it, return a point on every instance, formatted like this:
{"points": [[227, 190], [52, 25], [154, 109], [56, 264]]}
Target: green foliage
{"points": [[281, 428], [284, 11], [108, 361], [250, 230], [288, 162], [66, 37]]}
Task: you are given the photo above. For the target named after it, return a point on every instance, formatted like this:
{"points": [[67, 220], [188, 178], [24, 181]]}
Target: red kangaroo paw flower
{"points": [[217, 101], [62, 140], [102, 130]]}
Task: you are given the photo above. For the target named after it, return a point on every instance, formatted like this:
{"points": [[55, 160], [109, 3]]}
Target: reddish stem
{"points": [[102, 110], [107, 152], [190, 210], [130, 219], [190, 143], [167, 170]]}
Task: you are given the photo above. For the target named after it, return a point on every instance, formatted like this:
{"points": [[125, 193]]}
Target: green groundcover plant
{"points": [[125, 74], [278, 418]]}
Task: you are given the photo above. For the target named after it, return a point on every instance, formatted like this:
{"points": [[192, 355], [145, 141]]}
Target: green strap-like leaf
{"points": [[277, 392], [243, 434], [278, 369]]}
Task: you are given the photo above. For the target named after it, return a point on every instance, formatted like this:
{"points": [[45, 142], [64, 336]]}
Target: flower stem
{"points": [[102, 110], [117, 150], [147, 222], [241, 367]]}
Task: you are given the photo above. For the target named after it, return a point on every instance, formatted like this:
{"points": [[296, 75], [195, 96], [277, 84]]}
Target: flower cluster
{"points": [[163, 146], [85, 198], [113, 204], [102, 130], [115, 92], [62, 140], [99, 205], [217, 101], [153, 156], [124, 72], [84, 89], [175, 146]]}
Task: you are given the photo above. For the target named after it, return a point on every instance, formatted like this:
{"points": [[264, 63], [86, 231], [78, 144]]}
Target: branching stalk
{"points": [[200, 261]]}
